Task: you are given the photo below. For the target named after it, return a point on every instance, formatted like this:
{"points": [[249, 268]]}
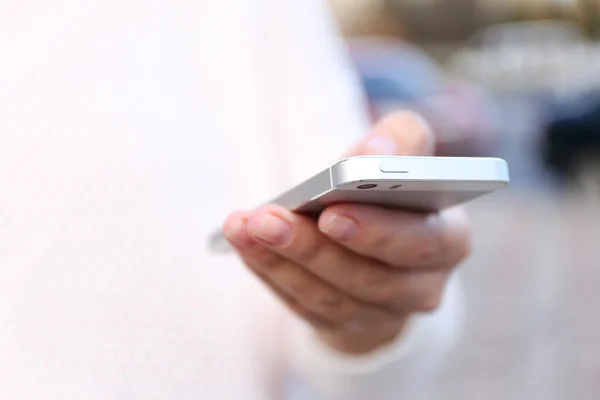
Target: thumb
{"points": [[399, 134]]}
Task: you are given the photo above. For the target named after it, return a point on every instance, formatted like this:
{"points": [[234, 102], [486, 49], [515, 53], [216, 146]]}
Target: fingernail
{"points": [[339, 227], [238, 236], [381, 145], [274, 230]]}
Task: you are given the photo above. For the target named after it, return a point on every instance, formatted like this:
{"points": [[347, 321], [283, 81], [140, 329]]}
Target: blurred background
{"points": [[517, 79]]}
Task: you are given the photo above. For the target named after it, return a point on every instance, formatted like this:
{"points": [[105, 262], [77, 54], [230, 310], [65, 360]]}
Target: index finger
{"points": [[400, 238]]}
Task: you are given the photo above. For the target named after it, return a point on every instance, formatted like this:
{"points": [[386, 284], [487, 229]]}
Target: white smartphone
{"points": [[424, 184]]}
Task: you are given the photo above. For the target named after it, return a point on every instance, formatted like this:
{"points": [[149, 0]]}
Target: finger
{"points": [[316, 300], [234, 230], [398, 238], [296, 238], [302, 288], [293, 305], [401, 133]]}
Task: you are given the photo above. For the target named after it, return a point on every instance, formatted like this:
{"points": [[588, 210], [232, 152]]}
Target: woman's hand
{"points": [[360, 272]]}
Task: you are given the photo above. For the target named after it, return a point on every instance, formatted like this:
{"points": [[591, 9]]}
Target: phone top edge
{"points": [[380, 157], [447, 169]]}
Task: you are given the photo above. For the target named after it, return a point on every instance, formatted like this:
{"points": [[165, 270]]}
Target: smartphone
{"points": [[421, 184]]}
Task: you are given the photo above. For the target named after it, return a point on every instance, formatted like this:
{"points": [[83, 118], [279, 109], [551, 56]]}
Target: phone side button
{"points": [[393, 168]]}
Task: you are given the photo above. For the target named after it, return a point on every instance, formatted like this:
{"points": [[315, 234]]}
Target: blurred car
{"points": [[571, 137], [397, 75], [529, 56]]}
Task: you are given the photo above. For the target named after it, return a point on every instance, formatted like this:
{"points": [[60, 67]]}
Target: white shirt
{"points": [[128, 130]]}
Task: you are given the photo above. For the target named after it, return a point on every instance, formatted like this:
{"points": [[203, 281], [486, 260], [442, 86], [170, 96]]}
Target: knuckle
{"points": [[429, 302], [301, 289], [380, 241], [460, 240], [262, 259], [430, 297], [337, 309], [267, 264], [331, 301], [308, 252], [463, 250], [374, 284], [428, 244], [366, 280]]}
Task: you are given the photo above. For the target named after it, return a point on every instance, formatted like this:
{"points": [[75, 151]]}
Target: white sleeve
{"points": [[320, 110], [403, 369], [319, 114]]}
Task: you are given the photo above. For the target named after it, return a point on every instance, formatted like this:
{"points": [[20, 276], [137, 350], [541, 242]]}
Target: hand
{"points": [[361, 272]]}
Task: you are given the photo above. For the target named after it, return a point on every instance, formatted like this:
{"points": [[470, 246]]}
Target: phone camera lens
{"points": [[367, 186]]}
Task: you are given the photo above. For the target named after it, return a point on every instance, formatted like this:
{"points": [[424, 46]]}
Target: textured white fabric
{"points": [[402, 369], [128, 130]]}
